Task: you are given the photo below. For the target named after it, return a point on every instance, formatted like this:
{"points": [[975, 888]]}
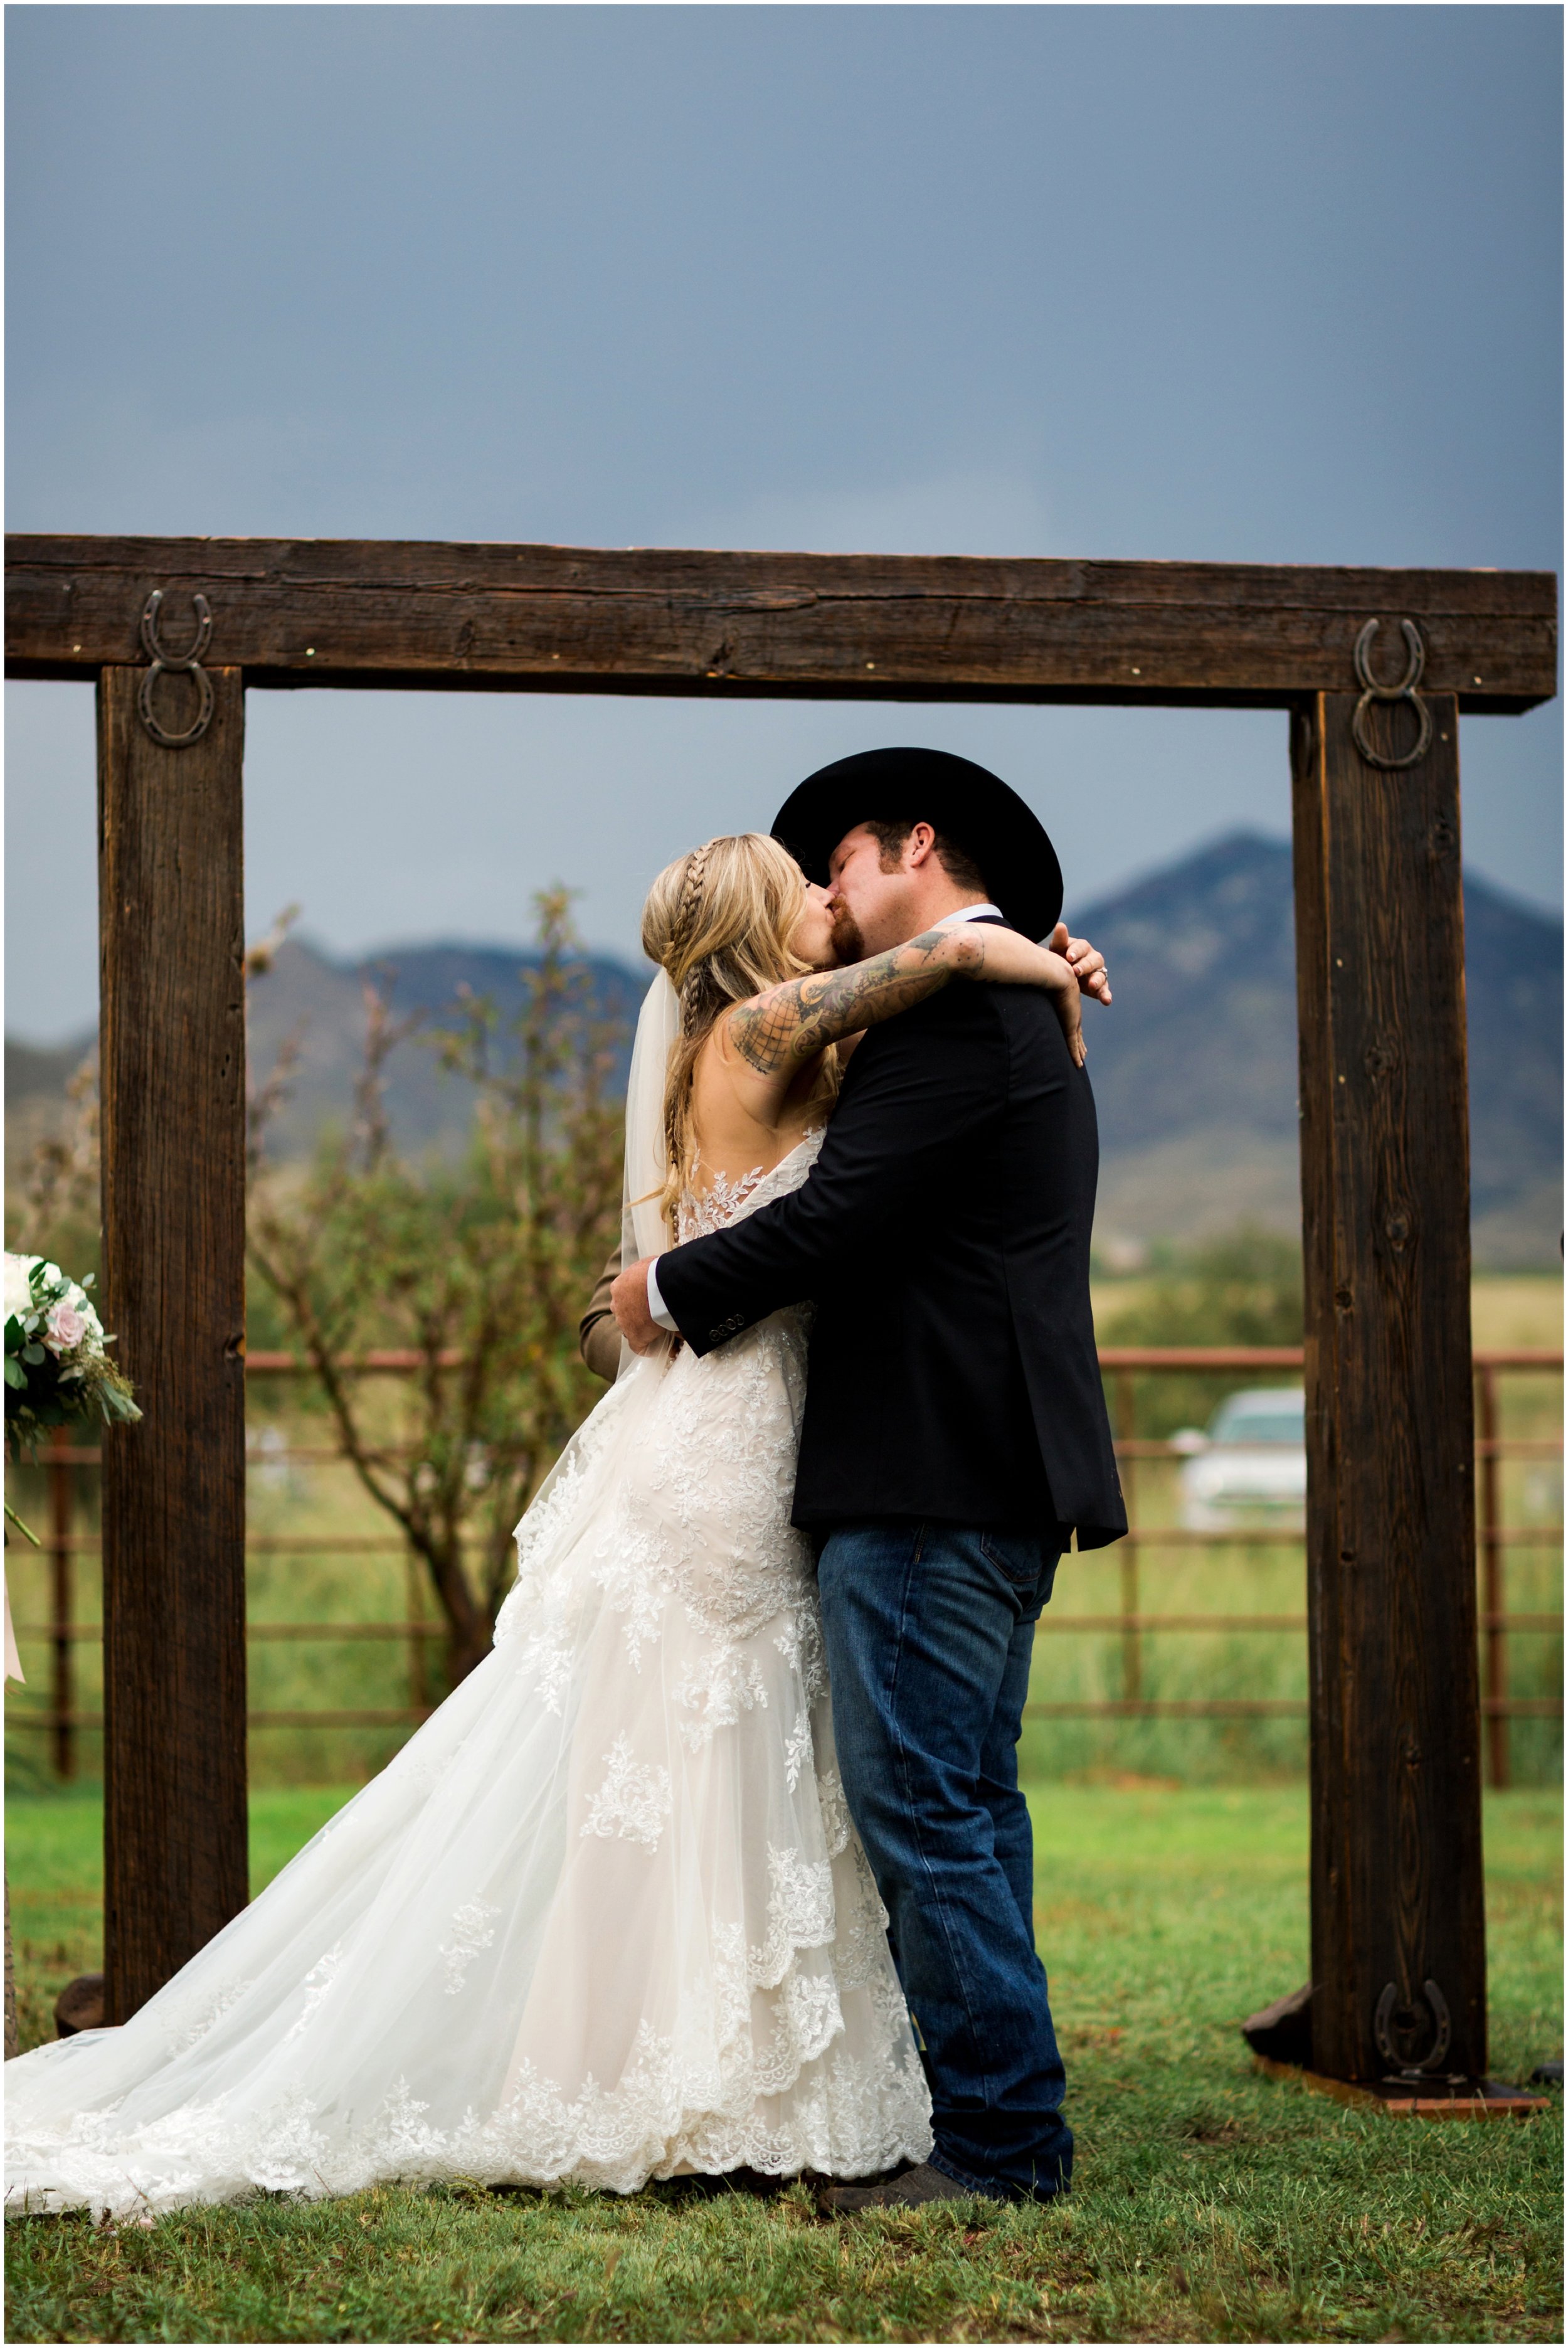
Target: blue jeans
{"points": [[928, 1632]]}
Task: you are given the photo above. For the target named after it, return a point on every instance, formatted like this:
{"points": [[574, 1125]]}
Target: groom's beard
{"points": [[847, 943]]}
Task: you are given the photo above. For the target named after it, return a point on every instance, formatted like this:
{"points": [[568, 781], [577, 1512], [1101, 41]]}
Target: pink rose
{"points": [[64, 1328]]}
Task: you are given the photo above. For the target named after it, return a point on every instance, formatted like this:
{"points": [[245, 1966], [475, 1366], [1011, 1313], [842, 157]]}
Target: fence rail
{"points": [[63, 1719]]}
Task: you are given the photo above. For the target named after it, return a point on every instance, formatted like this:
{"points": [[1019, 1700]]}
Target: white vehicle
{"points": [[1249, 1466]]}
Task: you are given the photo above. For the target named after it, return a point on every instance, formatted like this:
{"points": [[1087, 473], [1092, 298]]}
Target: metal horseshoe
{"points": [[1405, 690], [1442, 2031], [176, 665]]}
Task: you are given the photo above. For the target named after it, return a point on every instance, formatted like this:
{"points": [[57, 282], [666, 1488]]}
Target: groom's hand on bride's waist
{"points": [[628, 1302]]}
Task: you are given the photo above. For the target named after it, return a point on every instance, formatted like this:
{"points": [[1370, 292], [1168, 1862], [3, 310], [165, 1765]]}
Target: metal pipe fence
{"points": [[1132, 1624]]}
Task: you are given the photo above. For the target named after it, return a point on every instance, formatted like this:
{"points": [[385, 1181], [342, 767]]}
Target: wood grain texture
{"points": [[1397, 1888], [173, 1070], [440, 616]]}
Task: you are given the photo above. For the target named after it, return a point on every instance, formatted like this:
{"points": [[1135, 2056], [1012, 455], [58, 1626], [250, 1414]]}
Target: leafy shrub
{"points": [[1242, 1290]]}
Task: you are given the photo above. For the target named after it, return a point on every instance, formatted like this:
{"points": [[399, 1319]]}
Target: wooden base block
{"points": [[80, 2005], [1487, 2100]]}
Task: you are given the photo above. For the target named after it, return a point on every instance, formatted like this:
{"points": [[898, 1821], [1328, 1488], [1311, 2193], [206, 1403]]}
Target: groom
{"points": [[955, 1436]]}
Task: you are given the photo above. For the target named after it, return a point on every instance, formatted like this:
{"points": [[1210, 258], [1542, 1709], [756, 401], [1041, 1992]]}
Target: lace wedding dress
{"points": [[604, 1918]]}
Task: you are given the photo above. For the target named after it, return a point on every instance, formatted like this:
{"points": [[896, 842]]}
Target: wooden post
{"points": [[1397, 1948], [62, 1604], [63, 1691], [173, 1071], [1494, 1587], [1131, 1645]]}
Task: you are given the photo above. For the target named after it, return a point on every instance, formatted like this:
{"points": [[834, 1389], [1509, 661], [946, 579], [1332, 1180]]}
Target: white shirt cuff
{"points": [[656, 1305]]}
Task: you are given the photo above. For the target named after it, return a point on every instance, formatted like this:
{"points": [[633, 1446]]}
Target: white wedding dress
{"points": [[604, 1918]]}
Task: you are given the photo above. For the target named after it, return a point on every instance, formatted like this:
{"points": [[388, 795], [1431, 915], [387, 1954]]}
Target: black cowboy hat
{"points": [[967, 804]]}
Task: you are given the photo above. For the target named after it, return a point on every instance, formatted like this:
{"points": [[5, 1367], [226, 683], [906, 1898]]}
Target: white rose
{"points": [[77, 1298], [18, 1290]]}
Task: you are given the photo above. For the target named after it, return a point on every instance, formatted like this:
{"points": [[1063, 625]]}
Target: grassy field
{"points": [[1210, 2204], [1506, 1308]]}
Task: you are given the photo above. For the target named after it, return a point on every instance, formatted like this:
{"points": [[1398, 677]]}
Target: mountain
{"points": [[307, 999], [37, 1105], [1194, 1067], [321, 1003]]}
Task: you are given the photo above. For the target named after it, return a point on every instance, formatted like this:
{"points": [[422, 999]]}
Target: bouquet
{"points": [[56, 1365]]}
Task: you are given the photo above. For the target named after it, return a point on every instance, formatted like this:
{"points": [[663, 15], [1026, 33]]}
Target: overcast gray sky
{"points": [[1269, 284]]}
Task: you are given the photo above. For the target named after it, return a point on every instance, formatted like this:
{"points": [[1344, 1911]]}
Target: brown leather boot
{"points": [[909, 2191]]}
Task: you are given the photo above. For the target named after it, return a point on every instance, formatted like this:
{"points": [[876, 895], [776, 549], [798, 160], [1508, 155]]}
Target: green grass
{"points": [[1210, 2204]]}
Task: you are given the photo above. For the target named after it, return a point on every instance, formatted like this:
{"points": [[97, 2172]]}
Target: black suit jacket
{"points": [[944, 1234]]}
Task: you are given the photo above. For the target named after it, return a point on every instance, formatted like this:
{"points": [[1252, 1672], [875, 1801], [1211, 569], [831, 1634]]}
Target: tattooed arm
{"points": [[775, 1034]]}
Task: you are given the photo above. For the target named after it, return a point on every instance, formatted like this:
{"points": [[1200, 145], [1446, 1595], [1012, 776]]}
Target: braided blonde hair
{"points": [[719, 922]]}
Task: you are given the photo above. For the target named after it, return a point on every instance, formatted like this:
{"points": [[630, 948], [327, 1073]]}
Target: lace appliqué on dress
{"points": [[726, 1200], [633, 1801], [797, 1749], [318, 1989], [800, 1912], [188, 2025], [473, 1928], [834, 1810]]}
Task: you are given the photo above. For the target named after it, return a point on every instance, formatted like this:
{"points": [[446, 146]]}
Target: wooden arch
{"points": [[1397, 1890]]}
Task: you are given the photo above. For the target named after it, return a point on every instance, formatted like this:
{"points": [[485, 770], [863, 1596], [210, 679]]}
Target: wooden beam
{"points": [[173, 1077], [444, 617], [1397, 1888]]}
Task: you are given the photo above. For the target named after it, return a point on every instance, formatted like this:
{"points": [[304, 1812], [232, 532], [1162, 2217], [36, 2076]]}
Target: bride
{"points": [[605, 1917]]}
